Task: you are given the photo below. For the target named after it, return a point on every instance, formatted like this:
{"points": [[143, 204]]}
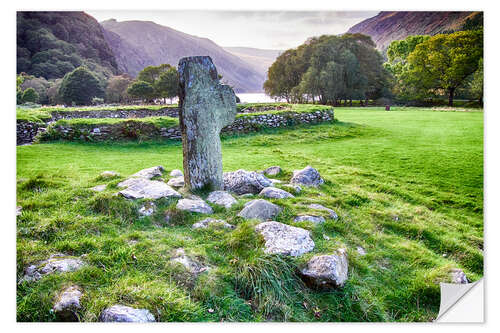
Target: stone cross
{"points": [[206, 106]]}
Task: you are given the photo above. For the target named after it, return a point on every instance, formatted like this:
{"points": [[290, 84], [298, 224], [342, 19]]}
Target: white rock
{"points": [[275, 193], [327, 271], [109, 174], [148, 209], [68, 303], [331, 212], [260, 209], [122, 313], [176, 173], [208, 222], [310, 218], [191, 265], [307, 176], [272, 171], [221, 198], [361, 251], [242, 181], [149, 172], [99, 188], [19, 210], [458, 276], [176, 181], [284, 239], [194, 206], [296, 188], [139, 188], [57, 263]]}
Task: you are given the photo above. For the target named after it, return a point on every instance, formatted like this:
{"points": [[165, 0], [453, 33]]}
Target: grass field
{"points": [[407, 186]]}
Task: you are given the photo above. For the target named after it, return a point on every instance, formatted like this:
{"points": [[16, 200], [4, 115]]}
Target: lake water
{"points": [[256, 98]]}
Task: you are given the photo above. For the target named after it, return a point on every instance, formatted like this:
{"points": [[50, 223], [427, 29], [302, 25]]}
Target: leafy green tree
{"points": [[30, 96], [167, 84], [444, 62], [80, 86], [116, 90], [142, 90], [477, 84]]}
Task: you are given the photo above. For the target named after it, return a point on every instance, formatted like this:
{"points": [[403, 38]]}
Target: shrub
{"points": [[30, 95]]}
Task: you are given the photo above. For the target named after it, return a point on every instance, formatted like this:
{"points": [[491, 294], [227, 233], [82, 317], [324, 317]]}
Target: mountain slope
{"points": [[260, 59], [50, 44], [388, 26], [147, 43]]}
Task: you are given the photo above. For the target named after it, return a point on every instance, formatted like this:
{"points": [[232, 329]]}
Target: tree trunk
{"points": [[451, 92]]}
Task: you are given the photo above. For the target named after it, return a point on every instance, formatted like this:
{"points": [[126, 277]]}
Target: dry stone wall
{"points": [[139, 113]]}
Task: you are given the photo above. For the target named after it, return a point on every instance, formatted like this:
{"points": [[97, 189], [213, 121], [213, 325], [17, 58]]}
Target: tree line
{"points": [[82, 86], [332, 69]]}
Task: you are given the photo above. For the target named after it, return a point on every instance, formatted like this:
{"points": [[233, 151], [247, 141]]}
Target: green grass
{"points": [[407, 186], [32, 115]]}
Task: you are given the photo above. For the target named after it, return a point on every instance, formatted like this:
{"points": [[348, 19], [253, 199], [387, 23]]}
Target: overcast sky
{"points": [[260, 29]]}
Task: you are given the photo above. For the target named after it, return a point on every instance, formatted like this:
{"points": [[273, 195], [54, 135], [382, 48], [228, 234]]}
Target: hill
{"points": [[388, 26], [260, 59], [51, 44], [147, 43]]}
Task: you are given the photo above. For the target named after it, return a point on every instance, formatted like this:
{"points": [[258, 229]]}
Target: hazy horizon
{"points": [[277, 30]]}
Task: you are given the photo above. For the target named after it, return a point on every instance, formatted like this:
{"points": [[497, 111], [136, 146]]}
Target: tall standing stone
{"points": [[206, 106]]}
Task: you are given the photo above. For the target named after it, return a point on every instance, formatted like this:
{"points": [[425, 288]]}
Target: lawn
{"points": [[407, 186]]}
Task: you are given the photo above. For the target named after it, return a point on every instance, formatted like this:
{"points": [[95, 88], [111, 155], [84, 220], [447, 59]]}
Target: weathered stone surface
{"points": [[149, 172], [194, 206], [272, 171], [109, 174], [242, 182], [208, 222], [206, 106], [275, 193], [260, 209], [176, 173], [147, 209], [176, 181], [458, 276], [327, 271], [221, 198], [122, 313], [361, 251], [331, 212], [99, 188], [275, 181], [310, 218], [68, 304], [57, 263], [191, 265], [284, 239], [19, 210], [140, 188], [307, 177]]}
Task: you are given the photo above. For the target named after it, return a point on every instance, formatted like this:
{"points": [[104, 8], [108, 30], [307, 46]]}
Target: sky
{"points": [[259, 29]]}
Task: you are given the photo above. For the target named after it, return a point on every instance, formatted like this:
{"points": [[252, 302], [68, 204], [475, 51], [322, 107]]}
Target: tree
{"points": [[30, 96], [80, 86], [443, 62], [476, 85], [167, 84], [142, 90], [116, 90]]}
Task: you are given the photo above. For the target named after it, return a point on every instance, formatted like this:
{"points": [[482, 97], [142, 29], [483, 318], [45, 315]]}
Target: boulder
{"points": [[206, 106], [139, 188], [176, 182], [209, 222], [458, 276], [176, 173], [331, 212], [192, 266], [327, 271], [284, 239], [109, 174], [149, 172], [310, 218], [122, 313], [260, 209], [57, 263], [275, 193], [307, 177], [361, 251], [194, 206], [67, 304], [99, 188], [221, 198], [242, 182], [272, 171], [147, 209], [19, 210]]}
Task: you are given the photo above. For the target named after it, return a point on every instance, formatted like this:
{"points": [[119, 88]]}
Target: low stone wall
{"points": [[139, 113], [139, 130], [27, 130]]}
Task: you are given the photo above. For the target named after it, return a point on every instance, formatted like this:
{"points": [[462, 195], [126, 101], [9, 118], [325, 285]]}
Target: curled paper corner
{"points": [[461, 303]]}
